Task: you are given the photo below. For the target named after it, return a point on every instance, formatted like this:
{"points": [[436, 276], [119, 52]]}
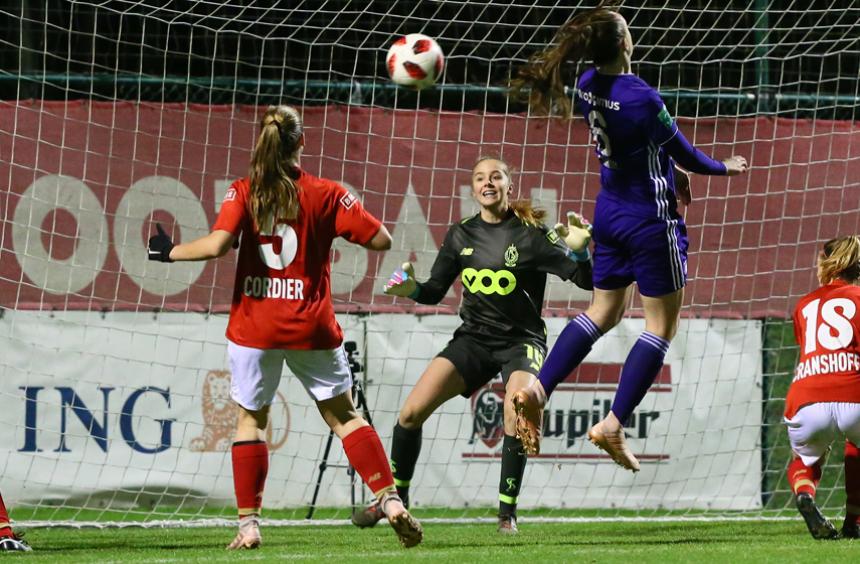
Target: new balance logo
{"points": [[467, 251]]}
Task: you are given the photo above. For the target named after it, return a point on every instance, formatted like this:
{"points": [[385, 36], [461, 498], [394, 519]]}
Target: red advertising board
{"points": [[753, 238]]}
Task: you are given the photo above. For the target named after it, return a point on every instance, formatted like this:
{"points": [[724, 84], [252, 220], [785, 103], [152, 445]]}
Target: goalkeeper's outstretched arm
{"points": [[445, 269]]}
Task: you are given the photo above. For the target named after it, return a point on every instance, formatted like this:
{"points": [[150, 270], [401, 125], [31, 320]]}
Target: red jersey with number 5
{"points": [[282, 293], [827, 328]]}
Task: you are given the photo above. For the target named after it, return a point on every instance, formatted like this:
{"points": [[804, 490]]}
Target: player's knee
{"points": [[411, 418], [606, 318]]}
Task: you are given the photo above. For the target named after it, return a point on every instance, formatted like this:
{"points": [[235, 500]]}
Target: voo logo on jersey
{"points": [[486, 281]]}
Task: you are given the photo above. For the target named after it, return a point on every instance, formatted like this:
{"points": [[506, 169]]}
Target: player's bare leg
{"points": [[528, 405], [608, 435]]}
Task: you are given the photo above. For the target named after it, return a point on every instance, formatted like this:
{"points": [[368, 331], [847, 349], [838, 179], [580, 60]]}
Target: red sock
{"points": [[250, 466], [5, 529], [803, 478], [365, 453], [852, 483]]}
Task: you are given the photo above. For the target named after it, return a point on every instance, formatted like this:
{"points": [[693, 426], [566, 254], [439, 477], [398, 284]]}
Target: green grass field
{"points": [[759, 541]]}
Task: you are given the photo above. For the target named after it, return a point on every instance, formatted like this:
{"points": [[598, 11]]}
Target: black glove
{"points": [[160, 245]]}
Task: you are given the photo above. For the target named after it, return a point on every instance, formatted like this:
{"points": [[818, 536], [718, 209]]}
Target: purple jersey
{"points": [[630, 125]]}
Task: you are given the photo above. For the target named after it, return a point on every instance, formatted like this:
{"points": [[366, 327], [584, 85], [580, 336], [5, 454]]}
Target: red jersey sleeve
{"points": [[352, 221], [233, 209]]}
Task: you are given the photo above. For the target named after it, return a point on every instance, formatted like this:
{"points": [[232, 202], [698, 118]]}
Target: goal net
{"points": [[114, 381]]}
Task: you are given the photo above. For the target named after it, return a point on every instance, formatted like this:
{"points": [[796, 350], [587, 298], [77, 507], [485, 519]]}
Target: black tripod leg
{"points": [[323, 466], [361, 401]]}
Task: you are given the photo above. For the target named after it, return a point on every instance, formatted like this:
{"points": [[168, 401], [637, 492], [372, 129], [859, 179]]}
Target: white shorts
{"points": [[256, 373], [813, 428]]}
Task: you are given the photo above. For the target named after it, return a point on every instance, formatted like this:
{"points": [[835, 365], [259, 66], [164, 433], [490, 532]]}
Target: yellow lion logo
{"points": [[220, 413]]}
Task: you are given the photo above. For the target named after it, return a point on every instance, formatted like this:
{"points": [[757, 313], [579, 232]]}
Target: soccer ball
{"points": [[415, 61]]}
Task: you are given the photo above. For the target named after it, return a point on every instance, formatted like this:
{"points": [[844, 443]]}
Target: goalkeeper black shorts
{"points": [[479, 362]]}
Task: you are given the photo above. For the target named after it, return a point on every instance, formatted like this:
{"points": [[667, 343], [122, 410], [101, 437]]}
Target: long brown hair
{"points": [[274, 193], [522, 208], [840, 258], [596, 35]]}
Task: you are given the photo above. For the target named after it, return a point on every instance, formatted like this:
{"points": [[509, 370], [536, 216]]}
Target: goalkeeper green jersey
{"points": [[503, 268]]}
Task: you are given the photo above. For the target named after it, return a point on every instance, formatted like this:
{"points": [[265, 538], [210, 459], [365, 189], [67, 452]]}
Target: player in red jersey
{"points": [[824, 396], [9, 541], [282, 311]]}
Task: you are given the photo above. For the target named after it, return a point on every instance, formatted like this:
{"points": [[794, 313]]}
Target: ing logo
{"points": [[486, 281], [220, 414]]}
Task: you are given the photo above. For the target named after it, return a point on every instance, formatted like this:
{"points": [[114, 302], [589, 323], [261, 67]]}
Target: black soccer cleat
{"points": [[818, 525], [14, 543], [368, 516], [850, 530]]}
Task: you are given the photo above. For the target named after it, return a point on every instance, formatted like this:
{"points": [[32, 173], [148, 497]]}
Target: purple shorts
{"points": [[649, 251]]}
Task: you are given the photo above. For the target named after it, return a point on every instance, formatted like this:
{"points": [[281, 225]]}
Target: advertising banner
{"points": [[122, 408]]}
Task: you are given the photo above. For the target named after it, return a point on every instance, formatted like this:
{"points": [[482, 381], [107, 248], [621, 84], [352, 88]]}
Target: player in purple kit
{"points": [[639, 236]]}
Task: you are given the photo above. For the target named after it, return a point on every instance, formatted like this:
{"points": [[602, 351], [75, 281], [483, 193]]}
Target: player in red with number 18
{"points": [[824, 396], [282, 312]]}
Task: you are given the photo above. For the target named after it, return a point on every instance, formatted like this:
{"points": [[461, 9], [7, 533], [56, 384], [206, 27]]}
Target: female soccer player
{"points": [[502, 256], [282, 311], [638, 233], [825, 394]]}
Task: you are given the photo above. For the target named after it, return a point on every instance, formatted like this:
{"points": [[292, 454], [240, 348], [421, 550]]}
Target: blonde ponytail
{"points": [[840, 259]]}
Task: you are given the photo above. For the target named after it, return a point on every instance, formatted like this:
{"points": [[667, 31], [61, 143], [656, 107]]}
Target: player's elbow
{"points": [[220, 243], [381, 241]]}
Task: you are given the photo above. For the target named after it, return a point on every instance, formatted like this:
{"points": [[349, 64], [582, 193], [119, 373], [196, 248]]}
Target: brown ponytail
{"points": [[840, 258], [274, 194], [524, 210], [596, 35]]}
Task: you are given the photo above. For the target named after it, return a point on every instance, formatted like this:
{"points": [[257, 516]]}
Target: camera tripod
{"points": [[360, 402]]}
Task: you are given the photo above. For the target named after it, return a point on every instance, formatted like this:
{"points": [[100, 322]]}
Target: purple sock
{"points": [[572, 346], [640, 369]]}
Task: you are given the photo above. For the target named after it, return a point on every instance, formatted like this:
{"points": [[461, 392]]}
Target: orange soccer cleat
{"points": [[528, 405], [608, 435]]}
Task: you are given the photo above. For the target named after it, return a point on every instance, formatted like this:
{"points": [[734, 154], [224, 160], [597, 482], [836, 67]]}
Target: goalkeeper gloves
{"points": [[402, 282], [576, 235], [160, 245]]}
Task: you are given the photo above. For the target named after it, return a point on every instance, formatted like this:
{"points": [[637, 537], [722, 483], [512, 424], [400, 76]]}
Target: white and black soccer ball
{"points": [[415, 61]]}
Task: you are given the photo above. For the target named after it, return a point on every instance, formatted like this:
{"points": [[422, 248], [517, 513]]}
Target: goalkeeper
{"points": [[502, 256]]}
